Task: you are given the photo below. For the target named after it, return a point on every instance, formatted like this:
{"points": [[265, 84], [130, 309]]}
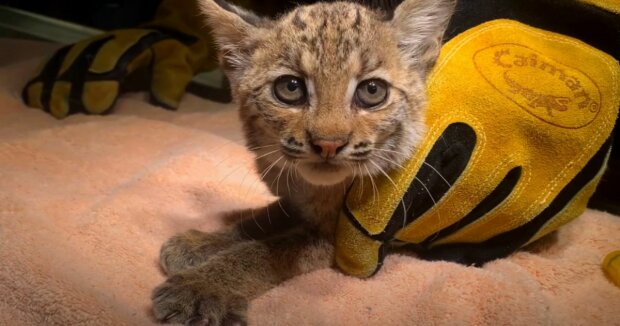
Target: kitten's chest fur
{"points": [[319, 206]]}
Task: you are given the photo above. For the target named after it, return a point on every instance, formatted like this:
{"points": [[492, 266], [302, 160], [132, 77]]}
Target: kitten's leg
{"points": [[194, 247], [218, 291]]}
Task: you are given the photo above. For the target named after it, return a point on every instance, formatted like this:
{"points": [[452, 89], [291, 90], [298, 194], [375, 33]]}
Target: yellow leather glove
{"points": [[499, 169], [163, 55], [611, 267]]}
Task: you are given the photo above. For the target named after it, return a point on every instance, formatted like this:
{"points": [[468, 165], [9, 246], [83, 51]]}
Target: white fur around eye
{"points": [[351, 87], [377, 74], [312, 99], [273, 74]]}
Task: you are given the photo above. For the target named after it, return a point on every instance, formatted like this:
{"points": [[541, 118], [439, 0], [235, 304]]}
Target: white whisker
{"points": [[353, 179], [264, 174], [268, 216], [388, 150], [427, 191], [260, 147], [278, 188], [402, 201], [296, 170], [256, 222], [375, 191], [230, 173], [384, 173], [288, 175], [268, 153], [387, 160], [247, 172], [441, 176], [361, 192], [221, 146]]}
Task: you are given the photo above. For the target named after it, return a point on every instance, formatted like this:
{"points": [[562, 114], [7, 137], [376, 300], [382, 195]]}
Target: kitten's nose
{"points": [[328, 148]]}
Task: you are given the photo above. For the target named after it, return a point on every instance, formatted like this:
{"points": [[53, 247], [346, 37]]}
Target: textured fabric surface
{"points": [[86, 202]]}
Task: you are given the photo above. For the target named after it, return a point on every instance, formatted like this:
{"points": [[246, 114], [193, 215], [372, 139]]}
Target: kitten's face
{"points": [[331, 89]]}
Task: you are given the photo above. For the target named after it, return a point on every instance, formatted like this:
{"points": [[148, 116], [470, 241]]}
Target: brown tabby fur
{"points": [[333, 46]]}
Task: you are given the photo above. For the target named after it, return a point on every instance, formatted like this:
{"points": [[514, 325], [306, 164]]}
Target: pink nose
{"points": [[328, 148]]}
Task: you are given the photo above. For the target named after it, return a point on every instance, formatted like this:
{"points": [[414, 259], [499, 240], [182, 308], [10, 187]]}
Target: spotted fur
{"points": [[332, 47]]}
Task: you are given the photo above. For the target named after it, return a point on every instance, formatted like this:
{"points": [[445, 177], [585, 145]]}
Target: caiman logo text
{"points": [[552, 92]]}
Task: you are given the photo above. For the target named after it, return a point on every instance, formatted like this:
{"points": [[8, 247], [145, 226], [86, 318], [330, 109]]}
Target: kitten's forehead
{"points": [[324, 17], [329, 36]]}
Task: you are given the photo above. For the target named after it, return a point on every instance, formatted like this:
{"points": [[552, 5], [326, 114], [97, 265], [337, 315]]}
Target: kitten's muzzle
{"points": [[328, 149]]}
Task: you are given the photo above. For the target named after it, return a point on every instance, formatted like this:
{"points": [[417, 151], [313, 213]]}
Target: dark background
{"points": [[102, 14]]}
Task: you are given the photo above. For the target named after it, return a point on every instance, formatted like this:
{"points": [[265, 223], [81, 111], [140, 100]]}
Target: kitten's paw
{"points": [[192, 248], [189, 299]]}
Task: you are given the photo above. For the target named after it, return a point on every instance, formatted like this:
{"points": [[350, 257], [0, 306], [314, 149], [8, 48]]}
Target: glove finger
{"points": [[100, 68], [143, 60], [51, 89], [131, 58], [37, 91], [168, 85], [76, 52], [127, 45], [611, 266], [71, 76], [77, 75], [31, 95], [171, 74], [108, 73], [59, 99], [99, 97]]}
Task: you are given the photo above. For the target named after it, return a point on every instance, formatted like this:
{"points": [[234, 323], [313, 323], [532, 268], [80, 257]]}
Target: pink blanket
{"points": [[86, 202]]}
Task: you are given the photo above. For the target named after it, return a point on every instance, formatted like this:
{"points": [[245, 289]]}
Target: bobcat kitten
{"points": [[327, 93]]}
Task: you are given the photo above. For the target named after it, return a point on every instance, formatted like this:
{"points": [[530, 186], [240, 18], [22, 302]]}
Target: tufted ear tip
{"points": [[209, 7], [221, 8], [233, 29], [420, 25]]}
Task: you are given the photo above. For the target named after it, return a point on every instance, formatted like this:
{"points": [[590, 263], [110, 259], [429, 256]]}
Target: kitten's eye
{"points": [[290, 90], [371, 93]]}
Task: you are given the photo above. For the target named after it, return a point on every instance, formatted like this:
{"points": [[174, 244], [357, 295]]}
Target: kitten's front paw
{"points": [[192, 248], [189, 299]]}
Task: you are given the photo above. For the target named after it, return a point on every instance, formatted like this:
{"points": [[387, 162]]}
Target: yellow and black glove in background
{"points": [[162, 57]]}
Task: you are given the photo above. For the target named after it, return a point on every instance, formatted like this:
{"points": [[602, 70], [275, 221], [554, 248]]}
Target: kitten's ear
{"points": [[232, 27], [420, 25]]}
